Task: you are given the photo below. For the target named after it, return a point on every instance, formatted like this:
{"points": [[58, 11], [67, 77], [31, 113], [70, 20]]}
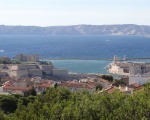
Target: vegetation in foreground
{"points": [[61, 104]]}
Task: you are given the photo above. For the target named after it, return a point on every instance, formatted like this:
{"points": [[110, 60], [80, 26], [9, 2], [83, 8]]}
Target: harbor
{"points": [[137, 72]]}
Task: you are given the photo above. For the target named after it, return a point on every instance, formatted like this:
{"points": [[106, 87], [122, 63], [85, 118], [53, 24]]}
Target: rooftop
{"points": [[77, 85]]}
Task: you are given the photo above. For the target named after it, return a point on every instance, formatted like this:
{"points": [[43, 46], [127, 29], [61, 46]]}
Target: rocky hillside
{"points": [[126, 29]]}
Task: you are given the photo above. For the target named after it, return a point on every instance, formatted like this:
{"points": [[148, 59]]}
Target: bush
{"points": [[107, 77], [118, 82], [98, 87]]}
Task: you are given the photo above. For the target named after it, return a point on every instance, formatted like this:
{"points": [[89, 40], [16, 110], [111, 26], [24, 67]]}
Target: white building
{"points": [[60, 72], [138, 72], [139, 79]]}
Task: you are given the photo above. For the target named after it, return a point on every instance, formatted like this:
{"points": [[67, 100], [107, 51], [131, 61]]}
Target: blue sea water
{"points": [[72, 47], [82, 66]]}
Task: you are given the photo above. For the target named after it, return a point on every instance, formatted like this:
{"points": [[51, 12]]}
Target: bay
{"points": [[76, 47], [82, 66]]}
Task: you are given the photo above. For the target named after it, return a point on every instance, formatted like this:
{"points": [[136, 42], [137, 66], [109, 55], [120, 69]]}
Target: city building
{"points": [[78, 87], [137, 72], [27, 58], [13, 86], [25, 70]]}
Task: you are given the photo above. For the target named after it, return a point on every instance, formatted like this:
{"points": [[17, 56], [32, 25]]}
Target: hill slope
{"points": [[126, 29]]}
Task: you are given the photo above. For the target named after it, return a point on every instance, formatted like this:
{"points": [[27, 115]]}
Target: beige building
{"points": [[25, 70], [105, 84], [26, 58], [60, 72], [47, 69], [31, 70], [138, 72], [129, 68]]}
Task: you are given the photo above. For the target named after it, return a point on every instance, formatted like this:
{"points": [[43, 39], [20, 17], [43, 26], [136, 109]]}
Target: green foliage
{"points": [[61, 104], [24, 101], [15, 62], [147, 85], [8, 104], [2, 61], [17, 96], [31, 99], [98, 87], [2, 115], [33, 92], [56, 85], [45, 63], [107, 77], [30, 92], [118, 82]]}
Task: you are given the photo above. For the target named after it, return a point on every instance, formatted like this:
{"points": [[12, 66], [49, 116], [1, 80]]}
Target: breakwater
{"points": [[107, 59]]}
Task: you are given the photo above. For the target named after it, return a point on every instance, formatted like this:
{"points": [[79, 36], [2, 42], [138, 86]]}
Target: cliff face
{"points": [[125, 29]]}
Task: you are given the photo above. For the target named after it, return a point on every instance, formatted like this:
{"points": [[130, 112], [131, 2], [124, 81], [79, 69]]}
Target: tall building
{"points": [[115, 59], [21, 57], [27, 58]]}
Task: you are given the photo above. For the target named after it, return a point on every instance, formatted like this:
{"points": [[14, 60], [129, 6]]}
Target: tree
{"points": [[30, 92], [8, 104], [3, 62], [31, 98], [24, 101], [118, 82], [2, 115], [64, 94], [56, 85], [61, 104], [16, 62], [147, 88], [33, 92], [98, 87], [107, 77]]}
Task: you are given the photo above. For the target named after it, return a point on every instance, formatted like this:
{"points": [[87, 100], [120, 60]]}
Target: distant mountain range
{"points": [[125, 29]]}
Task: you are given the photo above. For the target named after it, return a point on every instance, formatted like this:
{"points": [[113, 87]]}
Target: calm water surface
{"points": [[83, 47]]}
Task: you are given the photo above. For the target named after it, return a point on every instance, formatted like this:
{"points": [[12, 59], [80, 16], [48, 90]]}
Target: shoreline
{"points": [[47, 59]]}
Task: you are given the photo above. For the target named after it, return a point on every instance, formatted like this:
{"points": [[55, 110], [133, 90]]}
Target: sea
{"points": [[77, 54]]}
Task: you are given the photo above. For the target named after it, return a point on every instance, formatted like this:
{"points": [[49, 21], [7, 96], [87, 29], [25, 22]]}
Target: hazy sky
{"points": [[72, 12]]}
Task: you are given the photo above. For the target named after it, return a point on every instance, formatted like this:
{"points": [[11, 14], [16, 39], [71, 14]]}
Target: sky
{"points": [[74, 12]]}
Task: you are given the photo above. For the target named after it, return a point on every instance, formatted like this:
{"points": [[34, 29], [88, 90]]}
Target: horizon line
{"points": [[72, 25]]}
